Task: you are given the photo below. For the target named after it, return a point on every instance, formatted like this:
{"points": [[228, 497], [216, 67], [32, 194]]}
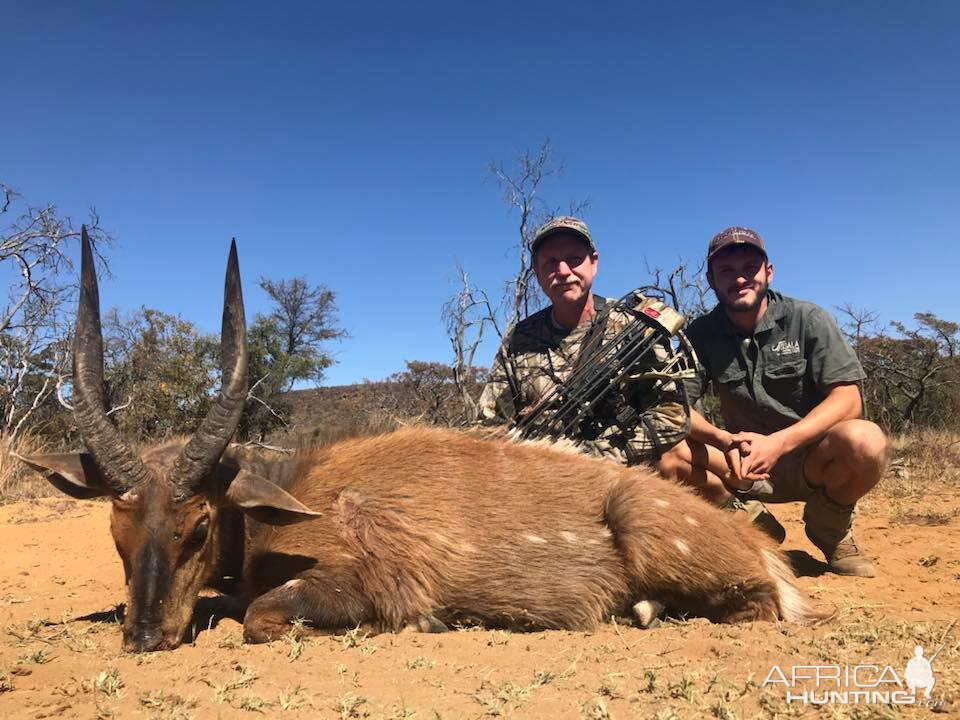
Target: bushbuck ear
{"points": [[266, 502], [72, 473]]}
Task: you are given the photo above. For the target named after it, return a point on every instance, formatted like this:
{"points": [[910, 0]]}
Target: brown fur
{"points": [[460, 527], [426, 528]]}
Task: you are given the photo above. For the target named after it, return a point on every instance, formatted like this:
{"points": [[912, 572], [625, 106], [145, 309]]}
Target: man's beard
{"points": [[740, 306]]}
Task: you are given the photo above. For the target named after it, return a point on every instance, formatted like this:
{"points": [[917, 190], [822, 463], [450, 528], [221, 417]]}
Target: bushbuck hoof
{"points": [[648, 612], [426, 624], [265, 627]]}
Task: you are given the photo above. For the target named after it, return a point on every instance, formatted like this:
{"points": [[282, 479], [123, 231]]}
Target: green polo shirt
{"points": [[770, 379]]}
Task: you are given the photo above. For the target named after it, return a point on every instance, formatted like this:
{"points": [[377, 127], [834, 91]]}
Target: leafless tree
{"points": [[857, 323], [684, 289], [521, 185], [35, 320], [469, 313]]}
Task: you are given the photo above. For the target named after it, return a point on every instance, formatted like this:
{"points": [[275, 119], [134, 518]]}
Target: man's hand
{"points": [[734, 474], [759, 453], [737, 475]]}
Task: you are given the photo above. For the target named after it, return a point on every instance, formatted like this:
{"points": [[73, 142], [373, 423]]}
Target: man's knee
{"points": [[862, 441], [676, 463], [671, 463]]}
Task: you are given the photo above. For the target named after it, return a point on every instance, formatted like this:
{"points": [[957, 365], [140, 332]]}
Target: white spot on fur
{"points": [[682, 546], [660, 503], [570, 537], [293, 583], [691, 520], [534, 539], [605, 535]]}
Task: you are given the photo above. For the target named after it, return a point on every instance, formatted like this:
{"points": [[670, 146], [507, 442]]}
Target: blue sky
{"points": [[349, 142]]}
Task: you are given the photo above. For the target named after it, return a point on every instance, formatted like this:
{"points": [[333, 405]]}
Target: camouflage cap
{"points": [[562, 224], [735, 236]]}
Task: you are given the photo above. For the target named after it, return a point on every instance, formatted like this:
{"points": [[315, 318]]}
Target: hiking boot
{"points": [[845, 558], [759, 515], [829, 525]]}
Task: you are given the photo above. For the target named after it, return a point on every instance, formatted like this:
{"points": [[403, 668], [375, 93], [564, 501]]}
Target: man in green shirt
{"points": [[790, 399]]}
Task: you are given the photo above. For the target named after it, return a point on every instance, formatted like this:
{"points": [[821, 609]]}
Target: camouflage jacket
{"points": [[537, 354]]}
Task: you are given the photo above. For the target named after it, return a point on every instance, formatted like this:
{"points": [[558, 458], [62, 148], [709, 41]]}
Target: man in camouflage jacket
{"points": [[790, 400], [542, 350]]}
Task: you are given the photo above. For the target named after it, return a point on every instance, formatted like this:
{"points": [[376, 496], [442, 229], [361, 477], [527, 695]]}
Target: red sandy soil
{"points": [[61, 583]]}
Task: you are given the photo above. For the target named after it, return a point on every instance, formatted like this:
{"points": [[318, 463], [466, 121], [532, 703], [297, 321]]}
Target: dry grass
{"points": [[924, 463], [17, 481], [163, 705], [921, 458]]}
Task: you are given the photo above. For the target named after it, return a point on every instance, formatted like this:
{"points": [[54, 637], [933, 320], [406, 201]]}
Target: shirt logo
{"points": [[787, 347]]}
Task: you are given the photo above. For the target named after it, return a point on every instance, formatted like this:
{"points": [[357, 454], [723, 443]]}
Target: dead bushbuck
{"points": [[418, 527]]}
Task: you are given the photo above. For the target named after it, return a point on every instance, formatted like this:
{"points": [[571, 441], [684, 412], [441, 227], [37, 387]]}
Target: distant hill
{"points": [[325, 413], [425, 392]]}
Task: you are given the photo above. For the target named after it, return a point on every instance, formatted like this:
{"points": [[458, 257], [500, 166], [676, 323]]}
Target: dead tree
{"points": [[521, 186], [35, 320], [469, 313], [684, 289]]}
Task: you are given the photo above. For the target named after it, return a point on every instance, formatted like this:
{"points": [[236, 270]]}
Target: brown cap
{"points": [[735, 236], [562, 224]]}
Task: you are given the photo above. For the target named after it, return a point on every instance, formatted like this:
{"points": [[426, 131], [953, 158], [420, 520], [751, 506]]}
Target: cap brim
{"points": [[728, 246], [538, 241]]}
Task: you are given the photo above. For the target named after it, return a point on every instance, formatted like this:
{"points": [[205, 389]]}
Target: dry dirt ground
{"points": [[61, 586]]}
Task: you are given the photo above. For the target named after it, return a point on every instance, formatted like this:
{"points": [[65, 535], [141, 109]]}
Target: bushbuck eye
{"points": [[199, 534]]}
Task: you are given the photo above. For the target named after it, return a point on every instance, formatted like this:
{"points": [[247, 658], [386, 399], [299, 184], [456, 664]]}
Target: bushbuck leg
{"points": [[323, 610], [309, 599]]}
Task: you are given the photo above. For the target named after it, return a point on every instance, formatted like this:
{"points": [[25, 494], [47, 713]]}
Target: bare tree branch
{"points": [[469, 312], [117, 408], [278, 416], [683, 289], [264, 446], [467, 315], [35, 320]]}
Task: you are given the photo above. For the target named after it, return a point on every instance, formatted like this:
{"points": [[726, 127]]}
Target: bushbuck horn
{"points": [[204, 449], [121, 468]]}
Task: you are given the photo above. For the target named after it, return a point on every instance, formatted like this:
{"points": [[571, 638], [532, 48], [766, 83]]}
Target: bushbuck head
{"points": [[170, 502]]}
